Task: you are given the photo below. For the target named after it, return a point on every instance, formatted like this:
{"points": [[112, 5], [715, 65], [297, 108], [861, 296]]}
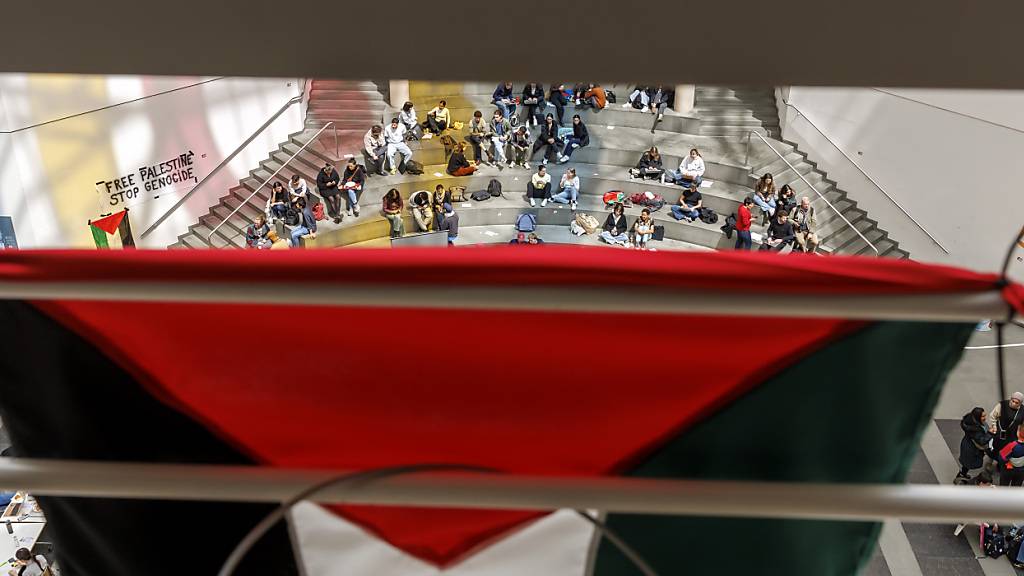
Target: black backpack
{"points": [[708, 216], [730, 226], [494, 188], [993, 542], [291, 217], [609, 96], [480, 195], [413, 167]]}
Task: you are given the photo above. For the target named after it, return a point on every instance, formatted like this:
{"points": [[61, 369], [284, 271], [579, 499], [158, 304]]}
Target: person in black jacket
{"points": [[616, 227], [557, 97], [327, 183], [661, 98], [307, 223], [580, 138], [352, 183], [457, 164], [502, 98], [533, 102], [548, 137], [649, 166], [780, 233], [975, 444]]}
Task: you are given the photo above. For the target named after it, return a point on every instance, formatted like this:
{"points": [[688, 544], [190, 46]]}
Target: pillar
{"points": [[684, 98], [398, 92]]}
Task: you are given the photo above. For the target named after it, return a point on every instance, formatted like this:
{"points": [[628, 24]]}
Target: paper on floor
{"points": [[706, 183], [489, 233]]}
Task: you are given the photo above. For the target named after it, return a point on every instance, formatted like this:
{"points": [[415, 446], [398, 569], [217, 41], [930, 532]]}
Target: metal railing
{"points": [[809, 185], [274, 175], [868, 176]]}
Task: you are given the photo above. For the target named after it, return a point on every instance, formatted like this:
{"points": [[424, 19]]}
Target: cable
{"points": [[268, 522]]}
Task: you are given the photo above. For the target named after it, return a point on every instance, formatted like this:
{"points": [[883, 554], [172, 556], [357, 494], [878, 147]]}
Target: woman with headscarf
{"points": [[976, 443]]}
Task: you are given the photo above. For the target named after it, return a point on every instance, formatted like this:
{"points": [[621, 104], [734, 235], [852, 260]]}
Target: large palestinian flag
{"points": [[417, 366]]}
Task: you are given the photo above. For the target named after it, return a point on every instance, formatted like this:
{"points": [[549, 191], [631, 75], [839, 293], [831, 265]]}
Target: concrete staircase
{"points": [[734, 111]]}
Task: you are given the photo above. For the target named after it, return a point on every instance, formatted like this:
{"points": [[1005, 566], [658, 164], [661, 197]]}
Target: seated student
{"points": [[457, 164], [805, 223], [307, 223], [394, 135], [643, 229], [501, 134], [375, 149], [558, 99], [440, 198], [352, 183], [533, 239], [392, 206], [533, 103], [764, 195], [479, 137], [780, 233], [297, 188], [691, 170], [743, 220], [548, 138], [580, 138], [690, 203], [539, 186], [594, 97], [639, 98], [615, 226], [28, 565], [649, 166], [327, 181], [422, 211], [277, 204], [786, 200], [439, 118], [256, 233], [661, 98], [503, 99], [450, 223], [520, 146], [568, 189], [408, 118]]}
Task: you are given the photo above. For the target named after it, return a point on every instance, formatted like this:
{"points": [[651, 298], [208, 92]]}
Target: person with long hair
{"points": [[352, 183], [457, 164], [568, 189], [557, 98], [539, 186], [392, 207], [764, 195], [29, 565], [277, 203], [976, 443], [643, 229], [649, 166], [256, 233], [422, 213], [615, 229], [408, 118], [690, 173], [580, 138], [548, 138], [437, 202]]}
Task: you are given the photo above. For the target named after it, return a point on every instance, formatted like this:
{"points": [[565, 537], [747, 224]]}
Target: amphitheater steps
{"points": [[735, 111]]}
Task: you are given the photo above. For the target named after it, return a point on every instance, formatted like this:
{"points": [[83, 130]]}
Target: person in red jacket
{"points": [[743, 241]]}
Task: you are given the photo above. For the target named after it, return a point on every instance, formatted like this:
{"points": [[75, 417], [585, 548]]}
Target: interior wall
{"points": [[959, 177], [72, 143]]}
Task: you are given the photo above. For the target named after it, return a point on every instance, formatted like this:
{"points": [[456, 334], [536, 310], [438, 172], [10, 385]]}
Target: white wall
{"points": [[50, 164], [960, 177]]}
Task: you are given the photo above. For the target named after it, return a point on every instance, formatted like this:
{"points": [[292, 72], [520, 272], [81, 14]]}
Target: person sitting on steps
{"points": [[764, 195], [580, 138], [649, 166], [615, 226], [780, 233], [786, 199], [352, 183], [548, 138], [457, 164], [690, 203], [394, 135], [691, 170], [643, 229], [501, 134], [375, 149], [805, 223], [568, 189], [440, 198], [439, 118], [392, 206], [661, 98], [257, 232], [277, 204], [539, 186], [408, 118], [520, 146], [557, 98], [533, 103], [503, 99], [327, 181], [595, 97], [422, 212], [479, 137], [297, 188], [306, 225], [639, 98]]}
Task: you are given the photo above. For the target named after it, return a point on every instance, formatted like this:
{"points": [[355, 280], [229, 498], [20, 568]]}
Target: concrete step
{"points": [[727, 99], [327, 84], [737, 131], [847, 241], [306, 161], [738, 109], [736, 91], [318, 94], [315, 120], [345, 113], [193, 241], [224, 233], [436, 90]]}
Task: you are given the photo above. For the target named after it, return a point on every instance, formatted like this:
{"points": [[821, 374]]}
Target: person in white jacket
{"points": [[394, 135], [691, 170]]}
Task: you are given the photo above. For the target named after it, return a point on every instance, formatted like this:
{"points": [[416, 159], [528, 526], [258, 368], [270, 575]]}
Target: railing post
{"points": [[337, 149], [746, 157]]}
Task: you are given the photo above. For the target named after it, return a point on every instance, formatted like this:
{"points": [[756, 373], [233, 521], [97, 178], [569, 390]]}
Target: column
{"points": [[398, 92], [684, 98]]}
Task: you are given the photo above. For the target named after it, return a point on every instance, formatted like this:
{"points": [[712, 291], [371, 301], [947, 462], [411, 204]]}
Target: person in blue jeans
{"points": [[307, 223], [690, 202], [503, 99], [569, 189], [580, 138], [450, 223]]}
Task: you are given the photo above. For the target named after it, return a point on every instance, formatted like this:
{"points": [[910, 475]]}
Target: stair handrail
{"points": [[272, 176], [298, 99], [801, 176], [868, 176]]}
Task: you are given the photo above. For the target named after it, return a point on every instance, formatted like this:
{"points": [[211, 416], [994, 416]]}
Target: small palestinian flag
{"points": [[362, 362], [116, 228]]}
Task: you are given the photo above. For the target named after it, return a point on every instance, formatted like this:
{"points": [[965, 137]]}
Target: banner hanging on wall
{"points": [[148, 182], [114, 229]]}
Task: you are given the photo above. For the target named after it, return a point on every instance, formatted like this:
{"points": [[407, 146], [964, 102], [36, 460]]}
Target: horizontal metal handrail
{"points": [[811, 186], [272, 176], [868, 176]]}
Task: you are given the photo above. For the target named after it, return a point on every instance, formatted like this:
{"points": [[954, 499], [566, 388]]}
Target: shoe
{"points": [[394, 171], [563, 159], [357, 211], [500, 166], [627, 105], [645, 111], [543, 202], [526, 165], [337, 220], [544, 162], [511, 164], [660, 116], [572, 205], [348, 212], [532, 203]]}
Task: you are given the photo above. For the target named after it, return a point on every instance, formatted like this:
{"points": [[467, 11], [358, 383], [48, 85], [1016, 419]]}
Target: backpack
{"points": [[993, 542], [526, 222], [480, 195], [655, 203], [318, 211], [587, 222], [494, 188], [659, 233], [449, 146], [730, 226], [708, 216], [413, 167], [637, 105], [613, 196], [291, 217], [457, 193], [609, 96]]}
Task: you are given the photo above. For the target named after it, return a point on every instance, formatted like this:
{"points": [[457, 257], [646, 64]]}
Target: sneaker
{"points": [[357, 211], [660, 116], [645, 111], [348, 211], [526, 165], [662, 178], [532, 203], [563, 159], [626, 105], [572, 205], [511, 164], [543, 202], [337, 220], [544, 162], [394, 171]]}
